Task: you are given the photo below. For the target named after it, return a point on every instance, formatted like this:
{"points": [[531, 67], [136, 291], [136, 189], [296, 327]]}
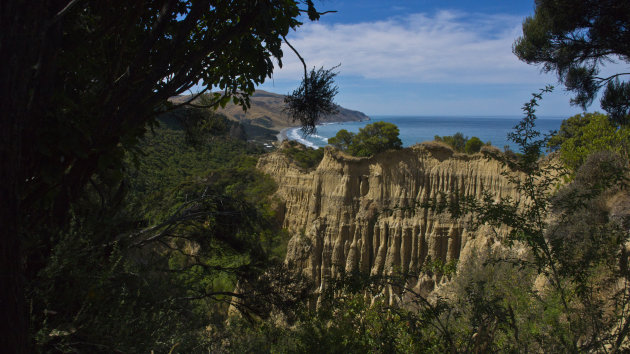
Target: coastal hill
{"points": [[265, 118], [266, 111]]}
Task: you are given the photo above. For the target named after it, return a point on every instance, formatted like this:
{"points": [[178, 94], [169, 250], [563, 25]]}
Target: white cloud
{"points": [[443, 63], [447, 47]]}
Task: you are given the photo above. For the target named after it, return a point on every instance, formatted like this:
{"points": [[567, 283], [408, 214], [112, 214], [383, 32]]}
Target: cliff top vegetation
{"points": [[370, 140]]}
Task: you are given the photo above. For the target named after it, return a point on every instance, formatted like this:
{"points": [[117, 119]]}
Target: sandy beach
{"points": [[282, 136]]}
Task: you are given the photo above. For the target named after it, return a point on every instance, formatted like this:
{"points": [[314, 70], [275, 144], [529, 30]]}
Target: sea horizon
{"points": [[421, 128]]}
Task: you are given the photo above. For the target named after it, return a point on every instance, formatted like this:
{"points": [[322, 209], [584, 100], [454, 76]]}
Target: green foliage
{"points": [[473, 145], [462, 143], [165, 258], [374, 138], [494, 307], [615, 101], [439, 267], [303, 156], [197, 124], [574, 39], [456, 141], [342, 140], [313, 98], [87, 87], [576, 252], [585, 134], [370, 140], [570, 128], [349, 322], [169, 168]]}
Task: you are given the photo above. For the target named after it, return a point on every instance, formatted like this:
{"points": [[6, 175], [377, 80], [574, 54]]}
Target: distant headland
{"points": [[265, 119]]}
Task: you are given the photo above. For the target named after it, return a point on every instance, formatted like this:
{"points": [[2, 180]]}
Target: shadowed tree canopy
{"points": [[574, 39], [81, 82]]}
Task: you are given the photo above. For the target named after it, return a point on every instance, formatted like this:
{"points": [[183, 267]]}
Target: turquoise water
{"points": [[416, 129]]}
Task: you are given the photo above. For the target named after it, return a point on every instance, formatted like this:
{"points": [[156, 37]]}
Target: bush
{"points": [[584, 134], [342, 140], [457, 140], [462, 143], [370, 140], [570, 128], [473, 145], [303, 156]]}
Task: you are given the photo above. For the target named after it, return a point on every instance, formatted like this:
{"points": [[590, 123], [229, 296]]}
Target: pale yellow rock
{"points": [[361, 213]]}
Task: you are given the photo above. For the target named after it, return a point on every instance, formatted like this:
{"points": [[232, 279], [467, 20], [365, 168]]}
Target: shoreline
{"points": [[282, 135]]}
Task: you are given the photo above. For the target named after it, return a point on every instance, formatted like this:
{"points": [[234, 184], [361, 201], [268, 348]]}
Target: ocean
{"points": [[416, 129]]}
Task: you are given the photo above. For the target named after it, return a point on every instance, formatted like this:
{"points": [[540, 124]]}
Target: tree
{"points": [[587, 133], [81, 83], [570, 128], [576, 251], [312, 99], [342, 140], [376, 137], [574, 39], [590, 133], [462, 143], [457, 140], [473, 145], [370, 140]]}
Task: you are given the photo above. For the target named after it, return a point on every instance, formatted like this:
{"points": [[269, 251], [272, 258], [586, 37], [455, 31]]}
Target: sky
{"points": [[423, 57]]}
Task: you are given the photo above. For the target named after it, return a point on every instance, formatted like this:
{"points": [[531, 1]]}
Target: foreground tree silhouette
{"points": [[574, 39], [81, 83]]}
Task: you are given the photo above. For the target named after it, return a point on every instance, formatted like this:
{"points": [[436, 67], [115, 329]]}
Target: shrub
{"points": [[584, 134], [462, 143], [457, 141], [303, 156], [342, 140], [570, 128], [370, 140], [473, 145]]}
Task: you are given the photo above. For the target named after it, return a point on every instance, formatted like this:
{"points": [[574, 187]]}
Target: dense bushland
{"points": [[153, 265]]}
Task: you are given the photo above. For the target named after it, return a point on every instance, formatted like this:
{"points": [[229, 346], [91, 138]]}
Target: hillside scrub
{"points": [[304, 156], [193, 221]]}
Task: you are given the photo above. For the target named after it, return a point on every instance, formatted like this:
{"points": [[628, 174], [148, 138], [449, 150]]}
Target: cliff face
{"points": [[355, 213]]}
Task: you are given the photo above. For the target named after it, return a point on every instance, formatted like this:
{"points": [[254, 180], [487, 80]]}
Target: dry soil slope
{"points": [[266, 111]]}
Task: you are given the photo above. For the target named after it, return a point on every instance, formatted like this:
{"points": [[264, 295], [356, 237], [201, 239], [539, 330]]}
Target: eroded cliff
{"points": [[358, 213]]}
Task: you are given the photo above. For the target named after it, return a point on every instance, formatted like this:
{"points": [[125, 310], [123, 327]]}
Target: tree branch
{"points": [[321, 13], [606, 79], [296, 53]]}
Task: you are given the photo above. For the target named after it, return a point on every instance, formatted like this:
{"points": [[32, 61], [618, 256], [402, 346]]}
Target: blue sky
{"points": [[422, 57]]}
